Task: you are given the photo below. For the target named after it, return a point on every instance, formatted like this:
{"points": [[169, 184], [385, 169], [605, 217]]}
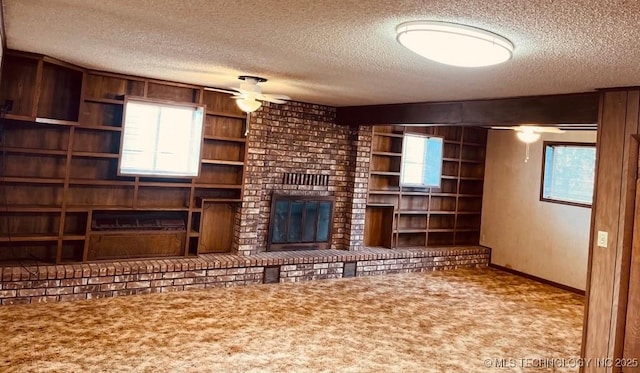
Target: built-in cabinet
{"points": [[60, 136], [398, 216]]}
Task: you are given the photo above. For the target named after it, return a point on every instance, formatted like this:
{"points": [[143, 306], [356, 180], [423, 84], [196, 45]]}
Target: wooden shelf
{"points": [[412, 212], [194, 234], [159, 208], [385, 173], [388, 134], [58, 122], [219, 200], [87, 208], [442, 230], [29, 238], [387, 192], [410, 230], [74, 237], [99, 127], [101, 182], [387, 154], [30, 208], [222, 162], [164, 184], [441, 212], [82, 208], [424, 193], [474, 144], [25, 118], [225, 138], [226, 115], [72, 208], [32, 180], [33, 151], [218, 186], [387, 205], [95, 155], [104, 101], [226, 200]]}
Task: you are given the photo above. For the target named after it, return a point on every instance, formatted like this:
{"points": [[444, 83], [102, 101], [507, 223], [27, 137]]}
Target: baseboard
{"points": [[538, 279]]}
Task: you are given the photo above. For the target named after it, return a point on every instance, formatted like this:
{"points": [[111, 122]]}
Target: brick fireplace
{"points": [[302, 139]]}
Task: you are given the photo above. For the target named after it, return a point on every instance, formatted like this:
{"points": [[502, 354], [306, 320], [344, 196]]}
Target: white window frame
{"points": [[422, 163]]}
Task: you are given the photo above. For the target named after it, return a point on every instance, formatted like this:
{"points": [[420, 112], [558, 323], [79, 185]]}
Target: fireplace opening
{"points": [[300, 222]]}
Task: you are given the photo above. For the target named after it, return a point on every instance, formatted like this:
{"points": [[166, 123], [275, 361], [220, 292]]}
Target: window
{"points": [[421, 160], [161, 139], [568, 172]]}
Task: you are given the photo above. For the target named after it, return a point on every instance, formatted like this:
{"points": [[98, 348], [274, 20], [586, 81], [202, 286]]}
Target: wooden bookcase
{"points": [[400, 216], [60, 148]]}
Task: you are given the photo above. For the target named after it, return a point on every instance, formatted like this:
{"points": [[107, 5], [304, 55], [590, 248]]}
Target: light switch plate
{"points": [[603, 238]]}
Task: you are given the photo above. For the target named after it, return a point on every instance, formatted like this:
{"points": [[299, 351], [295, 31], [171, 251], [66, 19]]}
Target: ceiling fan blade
{"points": [[221, 90], [276, 99], [548, 129], [523, 128]]}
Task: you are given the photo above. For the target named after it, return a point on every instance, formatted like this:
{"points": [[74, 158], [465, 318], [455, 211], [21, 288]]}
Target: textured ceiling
{"points": [[337, 52]]}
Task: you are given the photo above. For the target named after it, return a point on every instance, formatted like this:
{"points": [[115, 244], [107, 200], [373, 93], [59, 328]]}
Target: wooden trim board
{"points": [[538, 279]]}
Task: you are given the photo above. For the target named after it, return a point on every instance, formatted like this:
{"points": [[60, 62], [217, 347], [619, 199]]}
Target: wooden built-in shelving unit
{"points": [[60, 148], [399, 216]]}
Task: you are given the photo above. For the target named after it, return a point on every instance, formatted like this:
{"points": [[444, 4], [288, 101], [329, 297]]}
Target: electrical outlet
{"points": [[603, 238]]}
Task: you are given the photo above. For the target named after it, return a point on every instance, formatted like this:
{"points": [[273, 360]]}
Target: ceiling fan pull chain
{"points": [[246, 125], [526, 158]]}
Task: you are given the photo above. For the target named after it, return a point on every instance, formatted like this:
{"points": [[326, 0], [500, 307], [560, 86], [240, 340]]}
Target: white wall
{"points": [[543, 239]]}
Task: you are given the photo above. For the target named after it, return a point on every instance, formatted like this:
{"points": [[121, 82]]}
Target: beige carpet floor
{"points": [[451, 321]]}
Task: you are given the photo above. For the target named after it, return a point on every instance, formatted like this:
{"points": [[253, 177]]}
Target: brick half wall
{"points": [[55, 283]]}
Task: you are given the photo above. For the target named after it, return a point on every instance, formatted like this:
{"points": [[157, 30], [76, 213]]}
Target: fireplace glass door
{"points": [[300, 223]]}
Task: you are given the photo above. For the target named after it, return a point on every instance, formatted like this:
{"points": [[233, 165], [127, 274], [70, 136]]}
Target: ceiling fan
{"points": [[529, 134], [249, 95]]}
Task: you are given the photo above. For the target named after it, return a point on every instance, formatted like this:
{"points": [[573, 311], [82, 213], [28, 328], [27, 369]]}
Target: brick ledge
{"points": [[215, 261], [70, 282]]}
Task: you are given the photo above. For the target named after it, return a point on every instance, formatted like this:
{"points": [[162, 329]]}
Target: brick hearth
{"points": [[53, 283]]}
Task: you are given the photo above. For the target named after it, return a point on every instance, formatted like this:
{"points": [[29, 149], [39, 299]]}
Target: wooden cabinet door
{"points": [[216, 232]]}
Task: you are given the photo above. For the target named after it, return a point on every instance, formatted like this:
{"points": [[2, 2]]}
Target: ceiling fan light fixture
{"points": [[527, 136], [454, 44], [248, 105]]}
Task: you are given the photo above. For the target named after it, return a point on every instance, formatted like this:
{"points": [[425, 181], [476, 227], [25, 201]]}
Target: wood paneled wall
{"points": [[613, 211]]}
